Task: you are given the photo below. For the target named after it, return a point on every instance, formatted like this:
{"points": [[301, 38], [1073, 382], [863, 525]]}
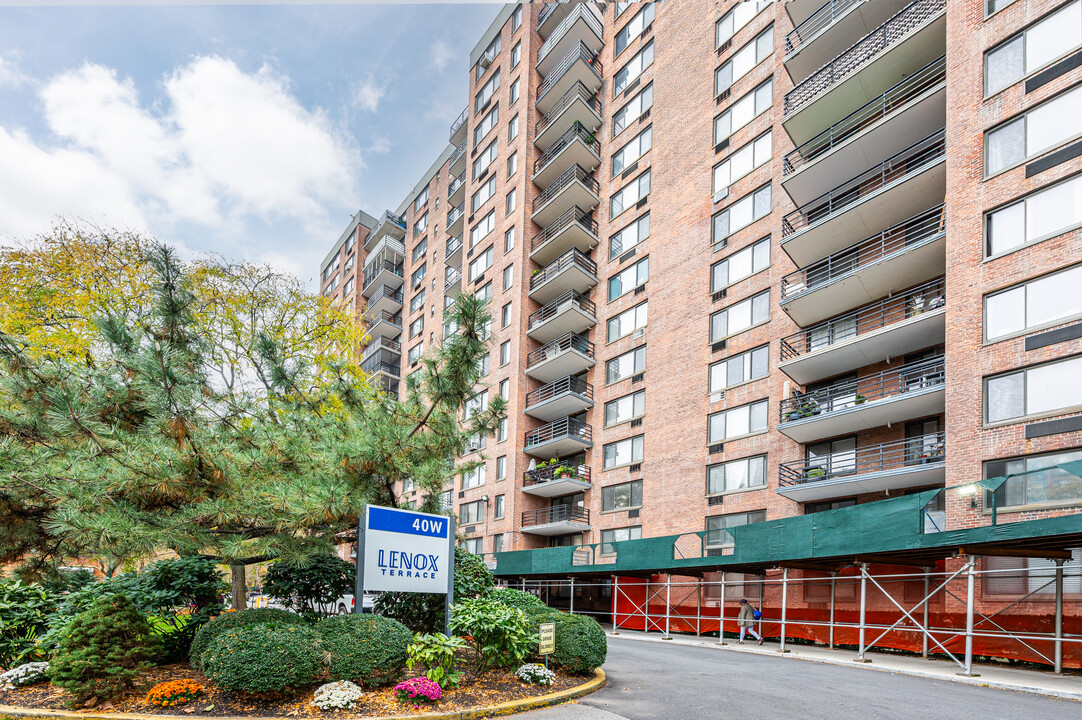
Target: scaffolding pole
{"points": [[1059, 617], [721, 620], [615, 597], [762, 582], [863, 606], [924, 623], [833, 579], [784, 602], [970, 583], [668, 606]]}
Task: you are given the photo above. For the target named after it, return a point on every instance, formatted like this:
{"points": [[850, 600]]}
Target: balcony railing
{"points": [[569, 383], [579, 52], [906, 235], [583, 10], [547, 9], [552, 309], [454, 244], [454, 215], [902, 306], [453, 275], [456, 183], [573, 214], [558, 471], [390, 217], [573, 173], [380, 266], [578, 91], [866, 49], [564, 427], [382, 343], [570, 341], [852, 393], [924, 449], [386, 243], [458, 153], [394, 319], [557, 513], [386, 292], [573, 257], [575, 132], [457, 124], [386, 368], [821, 18], [915, 157]]}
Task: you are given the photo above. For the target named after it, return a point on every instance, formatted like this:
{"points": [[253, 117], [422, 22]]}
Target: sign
{"points": [[406, 551], [546, 634]]}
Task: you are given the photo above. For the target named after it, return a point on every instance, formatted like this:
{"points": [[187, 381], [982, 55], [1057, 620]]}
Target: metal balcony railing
{"points": [[910, 161], [391, 218], [926, 449], [394, 319], [930, 373], [552, 309], [557, 513], [576, 132], [564, 427], [385, 368], [580, 51], [386, 243], [454, 244], [457, 124], [570, 341], [547, 9], [863, 51], [907, 235], [380, 266], [583, 11], [454, 215], [578, 91], [458, 153], [573, 257], [573, 173], [456, 183], [566, 384], [904, 305], [453, 275], [915, 85], [821, 18], [386, 292], [557, 471], [573, 214], [382, 343]]}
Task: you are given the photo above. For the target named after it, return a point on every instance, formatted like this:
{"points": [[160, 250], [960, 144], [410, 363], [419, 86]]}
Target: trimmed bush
{"points": [[581, 645], [232, 620], [368, 649], [512, 597], [264, 658]]}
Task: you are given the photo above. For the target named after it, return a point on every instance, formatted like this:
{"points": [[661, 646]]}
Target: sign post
{"points": [[546, 640]]}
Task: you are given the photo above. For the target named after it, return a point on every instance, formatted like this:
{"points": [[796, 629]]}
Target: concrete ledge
{"points": [[507, 708]]}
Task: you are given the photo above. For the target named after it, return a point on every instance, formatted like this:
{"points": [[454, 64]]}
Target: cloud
{"points": [[379, 145], [442, 55], [367, 95], [10, 74]]}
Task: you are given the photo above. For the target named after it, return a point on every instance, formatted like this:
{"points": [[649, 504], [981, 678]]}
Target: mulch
{"points": [[491, 689]]}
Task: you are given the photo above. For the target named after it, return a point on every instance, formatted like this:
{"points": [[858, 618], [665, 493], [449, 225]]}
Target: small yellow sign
{"points": [[546, 639]]}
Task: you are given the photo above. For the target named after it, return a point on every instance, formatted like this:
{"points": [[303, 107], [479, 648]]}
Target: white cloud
{"points": [[442, 55], [379, 145], [368, 94], [10, 74]]}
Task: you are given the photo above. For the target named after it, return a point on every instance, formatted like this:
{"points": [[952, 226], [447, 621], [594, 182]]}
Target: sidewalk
{"points": [[1067, 686]]}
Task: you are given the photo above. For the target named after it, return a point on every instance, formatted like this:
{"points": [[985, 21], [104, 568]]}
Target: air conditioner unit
{"points": [[717, 396], [721, 195], [638, 333], [486, 60]]}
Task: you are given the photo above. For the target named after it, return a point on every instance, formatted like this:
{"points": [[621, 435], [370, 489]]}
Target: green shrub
{"points": [[436, 652], [264, 658], [232, 620], [104, 649], [24, 611], [581, 644], [423, 612], [319, 581], [500, 635], [368, 649], [512, 597]]}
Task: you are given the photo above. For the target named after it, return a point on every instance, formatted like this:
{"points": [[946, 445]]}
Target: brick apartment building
{"points": [[751, 261]]}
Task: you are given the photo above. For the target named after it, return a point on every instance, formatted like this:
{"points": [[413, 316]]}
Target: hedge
{"points": [[231, 620], [264, 658], [581, 644], [367, 649]]}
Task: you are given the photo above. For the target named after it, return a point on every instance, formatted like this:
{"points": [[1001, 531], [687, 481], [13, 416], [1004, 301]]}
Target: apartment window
{"points": [[505, 352], [629, 236], [512, 164], [1038, 130], [633, 28], [993, 6], [421, 224], [417, 301], [718, 527], [512, 133], [505, 315], [331, 267], [420, 200], [1037, 46], [505, 390], [740, 163], [511, 200], [497, 539], [626, 365], [744, 110], [408, 485], [418, 275], [740, 265], [348, 288], [619, 534], [737, 422], [501, 431], [736, 475], [485, 126], [473, 546], [739, 369], [508, 277], [740, 316], [732, 21], [509, 240], [516, 54], [483, 365], [1044, 214], [501, 470], [624, 496], [477, 404], [415, 353], [1044, 484], [486, 61], [743, 60], [515, 87], [498, 511], [632, 151], [485, 293], [481, 263], [1034, 575], [1039, 303], [627, 322], [333, 284], [471, 513], [473, 478], [623, 5], [516, 19], [633, 69], [486, 158], [627, 280], [625, 409], [351, 241], [483, 193], [629, 194], [481, 230], [742, 213], [419, 250], [349, 262], [1039, 390], [633, 110], [417, 327], [622, 453]]}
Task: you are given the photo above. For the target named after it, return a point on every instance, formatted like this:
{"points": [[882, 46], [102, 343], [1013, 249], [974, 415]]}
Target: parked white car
{"points": [[345, 604]]}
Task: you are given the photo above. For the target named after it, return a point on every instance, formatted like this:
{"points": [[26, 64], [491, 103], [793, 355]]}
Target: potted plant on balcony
{"points": [[561, 471], [859, 399], [815, 473], [808, 408]]}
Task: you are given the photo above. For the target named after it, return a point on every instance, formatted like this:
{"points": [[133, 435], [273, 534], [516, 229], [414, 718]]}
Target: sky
{"points": [[251, 131]]}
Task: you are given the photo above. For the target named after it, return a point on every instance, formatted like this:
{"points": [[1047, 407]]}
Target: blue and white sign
{"points": [[406, 551]]}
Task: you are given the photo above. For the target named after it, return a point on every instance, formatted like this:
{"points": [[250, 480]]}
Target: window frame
{"points": [[641, 444], [634, 396], [1022, 33], [1027, 416], [613, 488], [634, 364], [751, 433], [749, 488], [633, 312], [1024, 286], [1023, 117], [1022, 200]]}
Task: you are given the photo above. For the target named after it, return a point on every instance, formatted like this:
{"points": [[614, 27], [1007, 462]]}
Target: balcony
{"points": [[571, 271], [559, 437], [581, 26], [829, 31], [456, 191], [578, 65], [452, 281], [910, 39], [560, 398], [457, 163], [387, 248], [383, 362], [898, 188], [381, 344], [557, 520], [384, 325], [573, 229], [454, 220], [911, 252], [911, 391], [385, 299], [458, 127], [382, 273], [910, 320], [910, 463], [388, 224], [571, 312], [578, 105], [575, 188], [453, 254], [556, 480], [552, 14], [577, 146], [567, 355], [913, 109]]}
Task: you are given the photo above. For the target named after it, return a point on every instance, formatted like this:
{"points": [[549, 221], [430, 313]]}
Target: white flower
{"points": [[339, 695], [23, 675], [535, 674]]}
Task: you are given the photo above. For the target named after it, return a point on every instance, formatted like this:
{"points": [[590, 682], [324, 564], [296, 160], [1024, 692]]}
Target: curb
{"points": [[507, 708]]}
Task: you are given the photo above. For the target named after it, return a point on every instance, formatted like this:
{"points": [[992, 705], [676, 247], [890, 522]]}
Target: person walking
{"points": [[746, 620]]}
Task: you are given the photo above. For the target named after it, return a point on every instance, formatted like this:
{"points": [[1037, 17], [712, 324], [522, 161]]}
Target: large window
{"points": [[633, 110], [485, 126], [629, 194], [487, 90], [628, 279], [1032, 49], [632, 151], [718, 527], [743, 60], [481, 263], [477, 404], [486, 158], [736, 475], [626, 365], [479, 198], [732, 21], [420, 200], [625, 409], [744, 110], [473, 478], [1040, 129], [740, 163], [473, 545], [1039, 390], [1051, 211], [418, 276], [740, 316], [624, 496], [421, 225], [629, 236], [415, 353], [417, 327], [633, 28], [417, 301], [471, 513], [1036, 304], [634, 68], [610, 536], [742, 213], [1045, 484], [622, 453], [740, 369], [740, 265], [627, 322], [737, 422], [481, 230], [419, 250]]}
